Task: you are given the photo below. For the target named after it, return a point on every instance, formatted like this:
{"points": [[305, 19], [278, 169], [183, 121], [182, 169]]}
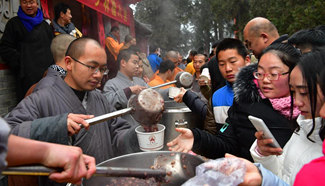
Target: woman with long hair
{"points": [[306, 142]]}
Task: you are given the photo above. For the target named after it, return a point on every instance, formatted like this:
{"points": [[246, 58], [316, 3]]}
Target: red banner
{"points": [[111, 8], [101, 31], [45, 9]]}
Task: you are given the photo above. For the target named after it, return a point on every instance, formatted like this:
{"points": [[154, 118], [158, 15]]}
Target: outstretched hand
{"points": [[179, 97], [203, 82], [184, 142], [252, 175]]}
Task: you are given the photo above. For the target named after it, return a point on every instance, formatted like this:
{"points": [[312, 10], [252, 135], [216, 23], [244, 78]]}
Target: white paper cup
{"points": [[173, 91], [205, 72], [151, 141], [205, 78], [205, 75]]}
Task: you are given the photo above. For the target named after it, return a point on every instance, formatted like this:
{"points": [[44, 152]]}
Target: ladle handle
{"points": [[108, 116], [28, 171], [100, 171], [164, 84], [129, 172]]}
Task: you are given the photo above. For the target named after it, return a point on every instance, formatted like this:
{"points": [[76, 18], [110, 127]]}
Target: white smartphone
{"points": [[261, 126]]}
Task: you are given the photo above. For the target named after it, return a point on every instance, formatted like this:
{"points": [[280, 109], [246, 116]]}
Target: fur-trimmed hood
{"points": [[245, 89]]}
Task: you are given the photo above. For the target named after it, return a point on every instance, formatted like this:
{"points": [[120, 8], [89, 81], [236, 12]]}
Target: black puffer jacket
{"points": [[237, 136]]}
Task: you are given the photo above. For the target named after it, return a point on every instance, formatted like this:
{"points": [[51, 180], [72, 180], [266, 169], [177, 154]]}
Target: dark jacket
{"points": [[195, 103], [210, 124], [203, 110], [237, 135], [27, 53]]}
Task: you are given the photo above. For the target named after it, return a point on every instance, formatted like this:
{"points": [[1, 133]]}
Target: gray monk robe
{"points": [[53, 72], [103, 141], [114, 90]]}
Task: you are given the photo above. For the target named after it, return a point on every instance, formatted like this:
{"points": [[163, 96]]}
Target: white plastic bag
{"points": [[219, 172]]}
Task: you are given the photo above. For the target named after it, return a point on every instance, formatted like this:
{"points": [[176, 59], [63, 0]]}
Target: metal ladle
{"points": [[146, 108], [182, 79], [100, 171]]}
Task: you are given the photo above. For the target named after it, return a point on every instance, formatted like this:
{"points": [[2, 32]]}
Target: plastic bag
{"points": [[223, 171]]}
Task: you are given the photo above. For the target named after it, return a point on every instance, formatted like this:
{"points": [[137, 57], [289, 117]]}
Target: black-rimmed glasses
{"points": [[94, 70]]}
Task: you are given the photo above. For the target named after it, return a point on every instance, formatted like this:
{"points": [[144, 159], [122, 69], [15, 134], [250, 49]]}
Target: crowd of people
{"points": [[64, 78], [283, 89]]}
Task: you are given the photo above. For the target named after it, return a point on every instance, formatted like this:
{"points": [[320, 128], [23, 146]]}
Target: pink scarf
{"points": [[282, 105]]}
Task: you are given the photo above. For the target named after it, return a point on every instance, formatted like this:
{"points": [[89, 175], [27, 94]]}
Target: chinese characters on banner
{"points": [[111, 8]]}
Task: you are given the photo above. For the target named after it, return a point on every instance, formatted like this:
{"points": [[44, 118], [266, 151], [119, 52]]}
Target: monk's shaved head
{"points": [[172, 55], [60, 45], [77, 47]]}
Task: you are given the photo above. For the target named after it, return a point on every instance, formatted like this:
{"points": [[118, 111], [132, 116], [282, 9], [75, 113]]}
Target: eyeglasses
{"points": [[102, 70], [271, 77], [28, 2]]}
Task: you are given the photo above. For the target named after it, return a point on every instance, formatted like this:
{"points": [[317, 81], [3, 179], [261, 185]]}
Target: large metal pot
{"points": [[181, 165], [178, 115]]}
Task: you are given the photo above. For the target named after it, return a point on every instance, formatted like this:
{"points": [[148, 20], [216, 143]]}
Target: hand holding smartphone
{"points": [[261, 126]]}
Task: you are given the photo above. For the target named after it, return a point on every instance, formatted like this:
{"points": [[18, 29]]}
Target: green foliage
{"points": [[195, 24], [290, 16]]}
